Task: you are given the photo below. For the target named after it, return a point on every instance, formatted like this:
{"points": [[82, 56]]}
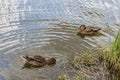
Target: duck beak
{"points": [[23, 57]]}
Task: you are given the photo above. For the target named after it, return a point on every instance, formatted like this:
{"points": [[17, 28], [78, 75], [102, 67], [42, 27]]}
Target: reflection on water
{"points": [[47, 28]]}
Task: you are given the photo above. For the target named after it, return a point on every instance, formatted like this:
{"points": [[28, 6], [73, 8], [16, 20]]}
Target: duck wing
{"points": [[94, 29], [39, 58], [88, 29]]}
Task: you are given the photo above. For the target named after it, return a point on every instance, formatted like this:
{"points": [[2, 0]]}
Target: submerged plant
{"points": [[78, 77], [86, 59], [62, 77]]}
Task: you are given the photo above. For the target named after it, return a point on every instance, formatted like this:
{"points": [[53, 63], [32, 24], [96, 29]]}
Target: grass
{"points": [[66, 77], [63, 77], [113, 60], [115, 49], [82, 60], [78, 77]]}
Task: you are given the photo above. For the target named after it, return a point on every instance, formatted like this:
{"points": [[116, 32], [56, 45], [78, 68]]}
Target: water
{"points": [[47, 28]]}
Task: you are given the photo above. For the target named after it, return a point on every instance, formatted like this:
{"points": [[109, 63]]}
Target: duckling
{"points": [[37, 61], [88, 30]]}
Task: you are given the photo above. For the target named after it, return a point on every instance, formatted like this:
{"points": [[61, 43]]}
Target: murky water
{"points": [[47, 28]]}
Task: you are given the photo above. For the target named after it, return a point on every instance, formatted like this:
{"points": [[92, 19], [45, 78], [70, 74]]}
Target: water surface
{"points": [[47, 28]]}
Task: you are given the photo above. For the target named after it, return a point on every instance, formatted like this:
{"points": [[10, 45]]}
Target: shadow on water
{"points": [[93, 35], [47, 28]]}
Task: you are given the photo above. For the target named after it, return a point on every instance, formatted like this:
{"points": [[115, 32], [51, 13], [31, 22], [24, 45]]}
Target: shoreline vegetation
{"points": [[101, 65]]}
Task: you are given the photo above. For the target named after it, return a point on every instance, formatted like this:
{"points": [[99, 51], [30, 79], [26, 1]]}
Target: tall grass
{"points": [[114, 54], [115, 48]]}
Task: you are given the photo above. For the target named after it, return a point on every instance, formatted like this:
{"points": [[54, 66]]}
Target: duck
{"points": [[36, 61], [88, 30]]}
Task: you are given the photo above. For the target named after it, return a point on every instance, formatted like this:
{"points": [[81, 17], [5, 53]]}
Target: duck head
{"points": [[81, 28], [50, 61]]}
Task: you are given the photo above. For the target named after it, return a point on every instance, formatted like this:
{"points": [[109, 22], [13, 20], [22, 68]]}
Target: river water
{"points": [[48, 28]]}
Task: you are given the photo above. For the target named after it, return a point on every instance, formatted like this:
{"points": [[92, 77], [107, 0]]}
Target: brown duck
{"points": [[37, 61], [88, 30]]}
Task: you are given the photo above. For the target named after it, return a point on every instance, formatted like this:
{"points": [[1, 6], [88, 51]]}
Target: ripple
{"points": [[48, 28]]}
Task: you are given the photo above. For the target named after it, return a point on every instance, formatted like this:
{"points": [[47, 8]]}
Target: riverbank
{"points": [[103, 64]]}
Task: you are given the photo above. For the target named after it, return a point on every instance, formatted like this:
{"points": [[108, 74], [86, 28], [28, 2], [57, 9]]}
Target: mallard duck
{"points": [[37, 61], [88, 30]]}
